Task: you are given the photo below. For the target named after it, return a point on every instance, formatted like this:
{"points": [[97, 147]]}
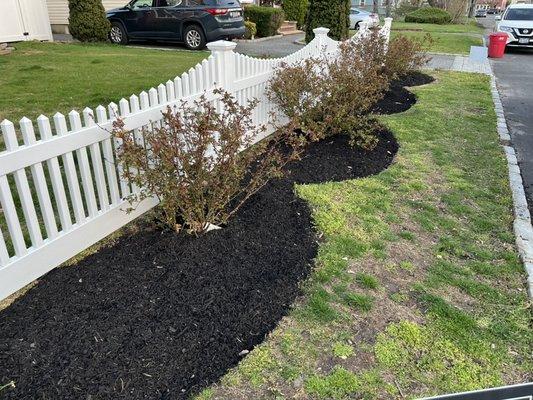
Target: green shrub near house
{"points": [[267, 19], [332, 14], [429, 15], [296, 10], [87, 20]]}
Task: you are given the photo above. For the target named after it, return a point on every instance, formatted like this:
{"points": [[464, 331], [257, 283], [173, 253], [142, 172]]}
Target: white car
{"points": [[517, 23], [357, 16]]}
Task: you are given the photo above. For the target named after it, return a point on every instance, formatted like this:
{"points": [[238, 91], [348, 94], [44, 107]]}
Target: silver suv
{"points": [[517, 23]]}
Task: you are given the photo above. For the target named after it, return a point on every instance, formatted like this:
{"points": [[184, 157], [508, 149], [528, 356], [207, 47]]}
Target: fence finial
{"points": [[222, 51]]}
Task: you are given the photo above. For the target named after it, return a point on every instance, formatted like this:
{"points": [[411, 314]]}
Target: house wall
{"points": [[58, 11]]}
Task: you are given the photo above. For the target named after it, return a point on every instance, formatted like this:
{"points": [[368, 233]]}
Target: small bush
{"points": [[194, 165], [296, 10], [251, 29], [87, 20], [332, 95], [267, 19], [332, 14], [405, 55], [429, 15]]}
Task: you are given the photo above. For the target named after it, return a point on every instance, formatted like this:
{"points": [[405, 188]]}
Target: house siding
{"points": [[58, 9]]}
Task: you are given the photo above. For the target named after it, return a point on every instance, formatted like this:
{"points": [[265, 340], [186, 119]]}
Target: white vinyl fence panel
{"points": [[61, 191], [24, 20]]}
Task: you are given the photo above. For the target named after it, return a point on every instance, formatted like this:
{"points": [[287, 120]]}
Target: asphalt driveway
{"points": [[514, 77]]}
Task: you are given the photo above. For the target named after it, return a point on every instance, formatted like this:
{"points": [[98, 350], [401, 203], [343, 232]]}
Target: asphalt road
{"points": [[514, 77]]}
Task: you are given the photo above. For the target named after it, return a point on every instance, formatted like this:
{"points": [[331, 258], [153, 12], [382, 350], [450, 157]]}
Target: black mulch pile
{"points": [[417, 78], [328, 160], [161, 316], [398, 98]]}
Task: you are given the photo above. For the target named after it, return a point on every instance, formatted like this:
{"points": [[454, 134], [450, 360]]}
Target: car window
{"points": [[141, 4], [519, 14], [354, 12], [167, 3], [232, 3]]}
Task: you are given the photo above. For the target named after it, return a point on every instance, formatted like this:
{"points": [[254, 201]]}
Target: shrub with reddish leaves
{"points": [[201, 164]]}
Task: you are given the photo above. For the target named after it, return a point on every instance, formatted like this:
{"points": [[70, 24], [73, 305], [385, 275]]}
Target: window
{"points": [[519, 14], [362, 3], [142, 4]]}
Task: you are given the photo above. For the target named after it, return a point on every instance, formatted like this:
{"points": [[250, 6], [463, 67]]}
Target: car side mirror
{"points": [[497, 18]]}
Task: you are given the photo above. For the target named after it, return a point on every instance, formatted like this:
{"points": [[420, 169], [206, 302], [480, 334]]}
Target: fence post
{"points": [[385, 31], [224, 57], [320, 36]]}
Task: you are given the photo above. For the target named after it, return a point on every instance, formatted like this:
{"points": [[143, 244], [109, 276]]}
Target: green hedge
{"points": [[87, 20], [296, 10], [429, 15], [267, 19], [332, 14]]}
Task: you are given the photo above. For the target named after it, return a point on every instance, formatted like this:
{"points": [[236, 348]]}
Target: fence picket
{"points": [[58, 188], [70, 172], [39, 180], [96, 158], [85, 169], [109, 159], [171, 96], [134, 107], [23, 188], [4, 255], [124, 112], [12, 219]]}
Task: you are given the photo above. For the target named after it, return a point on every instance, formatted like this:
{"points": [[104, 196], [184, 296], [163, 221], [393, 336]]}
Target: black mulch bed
{"points": [[161, 316], [417, 78], [398, 98], [328, 160]]}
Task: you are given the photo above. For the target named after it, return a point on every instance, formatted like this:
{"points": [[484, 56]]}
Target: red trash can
{"points": [[497, 43]]}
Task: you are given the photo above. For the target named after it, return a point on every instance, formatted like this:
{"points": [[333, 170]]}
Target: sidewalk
{"points": [[452, 62]]}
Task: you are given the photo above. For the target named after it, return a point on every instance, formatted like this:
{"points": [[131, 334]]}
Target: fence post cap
{"points": [[321, 31], [221, 45]]}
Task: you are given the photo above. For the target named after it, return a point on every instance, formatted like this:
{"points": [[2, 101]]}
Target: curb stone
{"points": [[522, 224]]}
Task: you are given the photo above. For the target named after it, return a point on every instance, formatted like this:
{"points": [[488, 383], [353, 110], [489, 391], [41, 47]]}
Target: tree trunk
{"points": [[375, 6]]}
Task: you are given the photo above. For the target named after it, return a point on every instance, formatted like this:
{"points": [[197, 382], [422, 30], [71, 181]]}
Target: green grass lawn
{"points": [[449, 38], [471, 27], [43, 78], [417, 289], [445, 42]]}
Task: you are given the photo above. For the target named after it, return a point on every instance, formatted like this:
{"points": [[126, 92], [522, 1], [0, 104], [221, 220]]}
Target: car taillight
{"points": [[217, 11]]}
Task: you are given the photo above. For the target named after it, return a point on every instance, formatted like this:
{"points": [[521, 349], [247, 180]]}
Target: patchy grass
{"points": [[43, 78], [448, 309]]}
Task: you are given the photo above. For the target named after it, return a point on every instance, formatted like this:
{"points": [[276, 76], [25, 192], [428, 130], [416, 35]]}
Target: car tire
{"points": [[194, 37], [356, 26], [118, 34]]}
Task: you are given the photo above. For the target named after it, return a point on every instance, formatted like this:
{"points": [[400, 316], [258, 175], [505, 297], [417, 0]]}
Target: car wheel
{"points": [[356, 27], [118, 34], [194, 37]]}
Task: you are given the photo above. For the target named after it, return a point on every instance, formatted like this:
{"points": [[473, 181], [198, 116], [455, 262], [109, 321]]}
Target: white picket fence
{"points": [[60, 220]]}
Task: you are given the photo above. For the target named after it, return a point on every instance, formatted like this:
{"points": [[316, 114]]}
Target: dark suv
{"points": [[192, 22]]}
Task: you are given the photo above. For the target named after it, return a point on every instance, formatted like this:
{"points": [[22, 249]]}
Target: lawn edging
{"points": [[522, 224]]}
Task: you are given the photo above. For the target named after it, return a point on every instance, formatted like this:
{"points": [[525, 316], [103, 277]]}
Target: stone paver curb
{"points": [[522, 224]]}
